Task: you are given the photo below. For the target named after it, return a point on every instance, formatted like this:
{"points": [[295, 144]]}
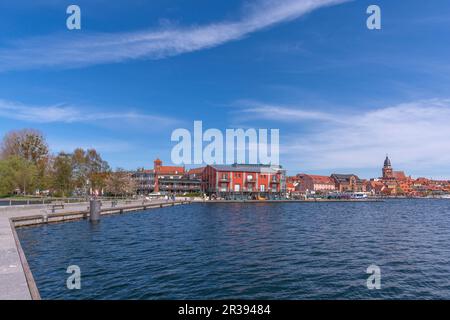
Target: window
{"points": [[237, 187], [262, 188]]}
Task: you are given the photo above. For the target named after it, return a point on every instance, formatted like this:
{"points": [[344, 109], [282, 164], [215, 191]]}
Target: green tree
{"points": [[80, 169], [29, 145], [98, 169], [17, 174], [62, 174], [88, 166], [6, 178]]}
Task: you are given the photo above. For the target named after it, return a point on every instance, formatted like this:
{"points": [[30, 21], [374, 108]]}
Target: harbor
{"points": [[18, 282], [285, 250]]}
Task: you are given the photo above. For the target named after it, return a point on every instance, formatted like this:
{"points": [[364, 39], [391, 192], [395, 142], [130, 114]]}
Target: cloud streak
{"points": [[77, 50], [257, 110], [69, 114]]}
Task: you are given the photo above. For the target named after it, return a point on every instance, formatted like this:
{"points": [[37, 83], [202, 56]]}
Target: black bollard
{"points": [[95, 210]]}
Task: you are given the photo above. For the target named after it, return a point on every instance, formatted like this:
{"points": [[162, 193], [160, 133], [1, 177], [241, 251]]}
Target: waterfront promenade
{"points": [[16, 280], [13, 283]]}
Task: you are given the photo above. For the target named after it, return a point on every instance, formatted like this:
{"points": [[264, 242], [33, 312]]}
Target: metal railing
{"points": [[49, 200]]}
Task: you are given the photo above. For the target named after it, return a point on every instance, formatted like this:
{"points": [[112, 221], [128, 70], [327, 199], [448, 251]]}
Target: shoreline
{"points": [[22, 286]]}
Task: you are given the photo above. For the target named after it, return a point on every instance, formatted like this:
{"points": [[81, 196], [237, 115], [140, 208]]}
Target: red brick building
{"points": [[348, 183], [242, 181]]}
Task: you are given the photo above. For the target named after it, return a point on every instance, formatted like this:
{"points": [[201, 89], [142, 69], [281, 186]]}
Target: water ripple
{"points": [[248, 251]]}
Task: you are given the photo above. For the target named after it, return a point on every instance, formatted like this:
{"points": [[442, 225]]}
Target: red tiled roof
{"points": [[196, 170], [321, 179], [378, 186], [399, 175], [169, 170]]}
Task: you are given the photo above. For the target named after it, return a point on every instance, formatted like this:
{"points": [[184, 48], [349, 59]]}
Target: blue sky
{"points": [[342, 95]]}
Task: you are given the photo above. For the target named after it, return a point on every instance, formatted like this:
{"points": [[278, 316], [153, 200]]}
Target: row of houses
{"points": [[257, 181], [397, 183], [391, 183], [307, 183], [236, 181]]}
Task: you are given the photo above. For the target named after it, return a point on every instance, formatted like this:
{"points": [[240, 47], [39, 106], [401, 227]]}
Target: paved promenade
{"points": [[13, 280], [13, 284]]}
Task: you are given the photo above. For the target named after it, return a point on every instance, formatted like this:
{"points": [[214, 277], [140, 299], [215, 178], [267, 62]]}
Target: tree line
{"points": [[27, 167]]}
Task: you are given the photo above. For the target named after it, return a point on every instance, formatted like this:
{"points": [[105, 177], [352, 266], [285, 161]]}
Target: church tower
{"points": [[156, 167], [387, 169], [157, 164]]}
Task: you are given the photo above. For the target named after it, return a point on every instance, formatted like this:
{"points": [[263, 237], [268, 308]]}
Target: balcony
{"points": [[180, 188]]}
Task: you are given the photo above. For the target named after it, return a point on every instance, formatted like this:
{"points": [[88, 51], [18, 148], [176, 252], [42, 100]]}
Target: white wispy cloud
{"points": [[75, 50], [70, 114], [258, 110], [415, 134]]}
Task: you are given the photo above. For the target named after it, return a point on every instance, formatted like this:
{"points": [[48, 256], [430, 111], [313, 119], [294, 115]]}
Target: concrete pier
{"points": [[13, 283], [16, 279]]}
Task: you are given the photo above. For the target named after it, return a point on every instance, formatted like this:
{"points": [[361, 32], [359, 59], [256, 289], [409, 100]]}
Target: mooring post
{"points": [[95, 210]]}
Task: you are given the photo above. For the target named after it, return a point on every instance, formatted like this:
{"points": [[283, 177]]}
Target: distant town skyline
{"points": [[341, 95]]}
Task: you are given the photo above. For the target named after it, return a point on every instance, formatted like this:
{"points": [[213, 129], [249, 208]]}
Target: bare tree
{"points": [[120, 183], [28, 144]]}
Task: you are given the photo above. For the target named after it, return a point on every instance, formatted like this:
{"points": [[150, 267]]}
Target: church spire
{"points": [[387, 161]]}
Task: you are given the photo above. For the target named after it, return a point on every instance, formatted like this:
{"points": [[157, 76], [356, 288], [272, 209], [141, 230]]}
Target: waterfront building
{"points": [[291, 184], [175, 179], [429, 187], [244, 181], [196, 173], [308, 183], [348, 183], [144, 181], [167, 180], [375, 187], [163, 175], [181, 185]]}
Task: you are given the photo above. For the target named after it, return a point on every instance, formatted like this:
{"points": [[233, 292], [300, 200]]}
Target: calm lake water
{"points": [[250, 251]]}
